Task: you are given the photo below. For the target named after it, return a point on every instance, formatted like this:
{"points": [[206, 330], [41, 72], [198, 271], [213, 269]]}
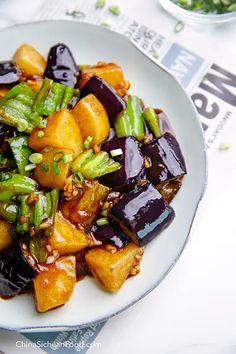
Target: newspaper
{"points": [[211, 87]]}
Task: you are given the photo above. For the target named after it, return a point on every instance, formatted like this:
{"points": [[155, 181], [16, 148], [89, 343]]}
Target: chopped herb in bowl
{"points": [[208, 6]]}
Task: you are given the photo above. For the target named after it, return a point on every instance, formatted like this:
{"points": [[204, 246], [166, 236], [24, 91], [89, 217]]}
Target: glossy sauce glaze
{"points": [[106, 94], [142, 213], [110, 234], [15, 271], [131, 160], [61, 66], [9, 74], [166, 159]]}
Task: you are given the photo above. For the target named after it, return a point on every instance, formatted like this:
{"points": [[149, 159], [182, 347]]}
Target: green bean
{"points": [[24, 214], [92, 165], [151, 119], [8, 211], [21, 152], [130, 121], [13, 184]]}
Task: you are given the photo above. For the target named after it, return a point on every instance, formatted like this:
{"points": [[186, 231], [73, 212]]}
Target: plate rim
{"points": [[51, 328]]}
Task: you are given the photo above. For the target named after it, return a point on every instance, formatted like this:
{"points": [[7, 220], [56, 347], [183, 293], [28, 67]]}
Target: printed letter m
{"points": [[219, 83]]}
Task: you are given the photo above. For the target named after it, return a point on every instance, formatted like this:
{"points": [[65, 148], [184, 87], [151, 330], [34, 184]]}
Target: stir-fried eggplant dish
{"points": [[87, 174]]}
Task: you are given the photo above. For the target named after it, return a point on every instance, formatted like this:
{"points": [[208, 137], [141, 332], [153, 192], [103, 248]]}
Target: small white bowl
{"points": [[195, 17]]}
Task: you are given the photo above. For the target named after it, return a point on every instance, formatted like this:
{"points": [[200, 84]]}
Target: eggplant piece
{"points": [[61, 66], [166, 159], [15, 271], [112, 134], [9, 73], [110, 234], [164, 123], [106, 94], [131, 160], [142, 214], [82, 268]]}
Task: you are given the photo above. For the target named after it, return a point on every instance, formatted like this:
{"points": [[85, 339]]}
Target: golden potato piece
{"points": [[5, 236], [61, 131], [92, 119], [84, 208], [112, 269], [52, 174], [35, 84], [29, 60], [54, 285], [66, 238]]}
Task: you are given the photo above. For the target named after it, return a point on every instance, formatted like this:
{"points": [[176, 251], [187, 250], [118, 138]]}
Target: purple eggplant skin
{"points": [[9, 74], [131, 160], [110, 234], [112, 134], [142, 214], [15, 271], [164, 123], [106, 94], [166, 159], [61, 66]]}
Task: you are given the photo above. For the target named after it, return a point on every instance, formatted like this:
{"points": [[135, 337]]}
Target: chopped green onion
{"points": [[36, 158], [55, 168], [58, 156], [81, 177], [44, 167], [30, 167], [207, 6], [102, 222], [67, 158], [114, 10], [100, 4], [76, 14], [232, 8], [40, 134], [87, 142], [48, 149], [42, 123], [223, 147], [22, 125], [155, 56], [78, 177], [116, 152], [106, 24], [179, 27]]}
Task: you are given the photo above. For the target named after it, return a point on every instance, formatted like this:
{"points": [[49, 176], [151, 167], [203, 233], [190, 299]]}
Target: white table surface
{"points": [[194, 309]]}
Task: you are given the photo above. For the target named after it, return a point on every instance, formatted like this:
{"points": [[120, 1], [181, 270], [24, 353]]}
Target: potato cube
{"points": [[52, 174], [66, 238], [54, 285], [5, 236], [35, 84], [92, 119], [112, 269], [84, 208], [61, 131], [30, 61]]}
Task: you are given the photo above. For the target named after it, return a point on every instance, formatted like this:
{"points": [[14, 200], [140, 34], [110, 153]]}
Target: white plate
{"points": [[89, 44]]}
